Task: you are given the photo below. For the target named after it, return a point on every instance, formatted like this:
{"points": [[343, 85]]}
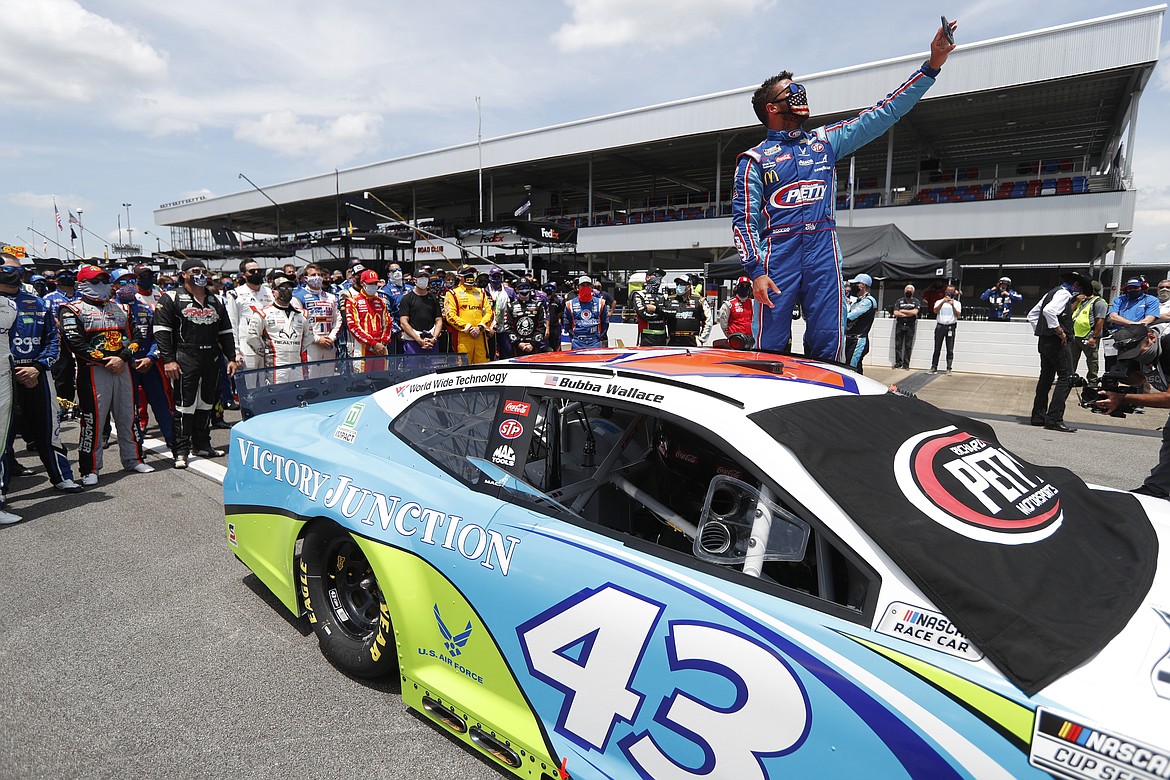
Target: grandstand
{"points": [[1018, 160]]}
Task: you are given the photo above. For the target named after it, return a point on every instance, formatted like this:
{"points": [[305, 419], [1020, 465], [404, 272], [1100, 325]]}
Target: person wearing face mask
{"points": [[244, 304], [467, 310], [323, 313], [97, 331], [1162, 325], [905, 326], [1143, 359], [150, 384], [947, 311], [686, 317], [65, 370], [148, 292], [1000, 299], [1133, 306], [502, 295], [524, 325], [281, 331], [736, 315], [652, 279], [35, 346], [193, 331], [858, 321], [585, 318], [783, 207], [1089, 310], [420, 317], [367, 319], [1052, 322]]}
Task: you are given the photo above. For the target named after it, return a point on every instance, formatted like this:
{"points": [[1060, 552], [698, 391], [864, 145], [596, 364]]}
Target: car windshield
{"points": [[517, 486]]}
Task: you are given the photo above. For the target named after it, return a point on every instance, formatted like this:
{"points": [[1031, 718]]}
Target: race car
{"points": [[676, 563]]}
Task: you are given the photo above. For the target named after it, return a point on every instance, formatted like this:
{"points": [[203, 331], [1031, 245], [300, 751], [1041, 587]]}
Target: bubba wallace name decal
{"points": [[408, 518], [976, 489]]}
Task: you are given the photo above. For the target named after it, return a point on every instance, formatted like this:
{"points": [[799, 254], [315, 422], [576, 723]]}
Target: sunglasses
{"points": [[789, 91], [126, 282]]}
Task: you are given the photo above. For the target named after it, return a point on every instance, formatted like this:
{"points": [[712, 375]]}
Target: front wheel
{"points": [[345, 604]]}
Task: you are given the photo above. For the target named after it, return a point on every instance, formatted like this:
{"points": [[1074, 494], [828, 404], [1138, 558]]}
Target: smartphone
{"points": [[946, 26]]}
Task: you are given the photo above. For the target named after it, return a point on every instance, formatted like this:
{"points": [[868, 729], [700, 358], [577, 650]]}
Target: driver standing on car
{"points": [[783, 206]]}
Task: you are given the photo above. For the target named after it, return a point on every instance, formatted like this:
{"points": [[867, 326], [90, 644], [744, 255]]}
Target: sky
{"points": [[139, 102]]}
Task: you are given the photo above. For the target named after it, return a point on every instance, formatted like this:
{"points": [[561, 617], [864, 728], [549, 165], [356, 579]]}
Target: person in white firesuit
{"points": [[244, 304], [323, 312], [281, 332], [11, 277]]}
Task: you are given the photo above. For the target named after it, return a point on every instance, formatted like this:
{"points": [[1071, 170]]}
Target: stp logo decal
{"points": [[818, 147], [510, 429], [517, 407], [799, 193], [976, 489]]}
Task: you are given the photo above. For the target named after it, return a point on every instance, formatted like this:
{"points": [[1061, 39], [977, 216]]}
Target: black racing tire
{"points": [[345, 604]]}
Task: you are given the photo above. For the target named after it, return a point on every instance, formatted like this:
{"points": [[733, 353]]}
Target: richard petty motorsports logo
{"points": [[976, 489]]}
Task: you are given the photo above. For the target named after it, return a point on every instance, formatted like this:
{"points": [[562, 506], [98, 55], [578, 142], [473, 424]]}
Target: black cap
{"points": [[191, 263], [1129, 339]]}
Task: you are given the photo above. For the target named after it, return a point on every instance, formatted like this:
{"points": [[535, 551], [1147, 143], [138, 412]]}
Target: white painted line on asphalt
{"points": [[201, 466]]}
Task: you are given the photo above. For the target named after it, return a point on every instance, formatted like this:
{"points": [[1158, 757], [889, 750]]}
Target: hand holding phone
{"points": [[948, 30]]}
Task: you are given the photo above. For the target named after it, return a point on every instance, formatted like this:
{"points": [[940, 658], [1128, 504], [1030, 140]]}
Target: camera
{"points": [[1111, 381]]}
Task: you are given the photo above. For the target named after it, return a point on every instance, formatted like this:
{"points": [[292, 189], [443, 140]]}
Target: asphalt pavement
{"points": [[137, 646]]}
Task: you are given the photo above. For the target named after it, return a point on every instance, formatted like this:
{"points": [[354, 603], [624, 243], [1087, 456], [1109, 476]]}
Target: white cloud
{"points": [[56, 51], [347, 137], [41, 202], [599, 24]]}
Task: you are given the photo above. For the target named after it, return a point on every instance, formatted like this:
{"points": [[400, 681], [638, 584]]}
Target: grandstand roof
{"points": [[1061, 92]]}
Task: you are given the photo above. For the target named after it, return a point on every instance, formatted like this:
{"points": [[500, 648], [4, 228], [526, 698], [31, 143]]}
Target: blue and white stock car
{"points": [[670, 563]]}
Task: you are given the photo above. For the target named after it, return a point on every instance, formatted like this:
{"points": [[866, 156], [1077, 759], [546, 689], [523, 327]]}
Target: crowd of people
{"points": [[109, 346]]}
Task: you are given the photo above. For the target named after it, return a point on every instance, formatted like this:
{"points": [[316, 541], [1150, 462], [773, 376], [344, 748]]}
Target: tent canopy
{"points": [[882, 251]]}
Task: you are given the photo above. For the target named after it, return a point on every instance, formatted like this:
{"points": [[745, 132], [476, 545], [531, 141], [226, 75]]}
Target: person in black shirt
{"points": [[905, 325], [421, 317]]}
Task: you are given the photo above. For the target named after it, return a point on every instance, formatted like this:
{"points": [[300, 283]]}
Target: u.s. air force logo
{"points": [[976, 489]]}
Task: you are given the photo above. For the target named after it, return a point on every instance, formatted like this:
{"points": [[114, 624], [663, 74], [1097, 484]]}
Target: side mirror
{"points": [[739, 524]]}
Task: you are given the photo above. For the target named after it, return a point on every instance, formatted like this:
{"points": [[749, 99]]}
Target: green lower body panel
{"points": [[266, 543]]}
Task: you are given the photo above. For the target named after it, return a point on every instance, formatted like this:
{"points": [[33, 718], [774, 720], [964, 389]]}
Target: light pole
{"points": [[81, 227], [129, 230], [157, 240]]}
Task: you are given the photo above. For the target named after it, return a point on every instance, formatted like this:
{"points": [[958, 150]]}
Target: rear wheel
{"points": [[345, 603]]}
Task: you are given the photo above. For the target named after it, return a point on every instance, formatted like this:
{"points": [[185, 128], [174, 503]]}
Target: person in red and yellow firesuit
{"points": [[468, 310], [368, 320]]}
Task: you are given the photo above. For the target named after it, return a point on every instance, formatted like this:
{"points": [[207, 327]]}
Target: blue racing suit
{"points": [[35, 343], [152, 383], [586, 323], [783, 220]]}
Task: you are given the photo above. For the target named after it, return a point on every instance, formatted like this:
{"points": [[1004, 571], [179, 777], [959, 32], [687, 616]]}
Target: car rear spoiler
{"points": [[272, 389]]}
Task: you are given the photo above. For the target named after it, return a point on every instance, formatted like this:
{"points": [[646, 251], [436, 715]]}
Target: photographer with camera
{"points": [[1052, 323], [1145, 356], [1000, 299]]}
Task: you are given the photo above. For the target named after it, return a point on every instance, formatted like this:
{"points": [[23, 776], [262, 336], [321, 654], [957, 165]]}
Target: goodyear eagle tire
{"points": [[345, 604]]}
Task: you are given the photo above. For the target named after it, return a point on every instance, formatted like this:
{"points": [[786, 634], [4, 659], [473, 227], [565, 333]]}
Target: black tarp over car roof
{"points": [[1033, 566]]}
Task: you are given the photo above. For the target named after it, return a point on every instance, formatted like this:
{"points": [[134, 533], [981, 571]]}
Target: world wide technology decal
{"points": [[976, 489]]}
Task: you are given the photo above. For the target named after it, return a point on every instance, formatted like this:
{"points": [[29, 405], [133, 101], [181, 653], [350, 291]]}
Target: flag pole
{"points": [[81, 225], [479, 144]]}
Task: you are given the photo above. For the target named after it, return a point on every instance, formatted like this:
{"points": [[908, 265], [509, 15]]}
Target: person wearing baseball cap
{"points": [[65, 369], [97, 331], [1143, 354], [368, 320], [858, 321], [1000, 298], [1132, 307], [650, 308], [468, 311]]}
